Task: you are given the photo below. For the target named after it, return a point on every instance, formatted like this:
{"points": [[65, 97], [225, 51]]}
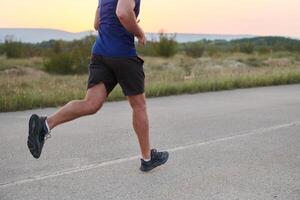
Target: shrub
{"points": [[166, 46], [212, 51], [57, 47], [194, 49], [264, 50], [20, 50], [81, 61], [247, 47], [13, 49], [69, 57], [147, 50], [2, 51], [67, 63], [60, 64]]}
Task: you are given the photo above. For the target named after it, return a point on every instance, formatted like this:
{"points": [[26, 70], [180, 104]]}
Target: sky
{"points": [[257, 17]]}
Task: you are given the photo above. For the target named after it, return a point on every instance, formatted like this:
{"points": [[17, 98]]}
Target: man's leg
{"points": [[39, 128], [94, 99], [131, 77], [141, 123]]}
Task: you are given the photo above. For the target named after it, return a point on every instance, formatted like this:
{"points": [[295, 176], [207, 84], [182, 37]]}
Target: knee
{"points": [[92, 107], [138, 105]]}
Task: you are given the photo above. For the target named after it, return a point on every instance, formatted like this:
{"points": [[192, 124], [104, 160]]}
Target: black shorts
{"points": [[128, 72]]}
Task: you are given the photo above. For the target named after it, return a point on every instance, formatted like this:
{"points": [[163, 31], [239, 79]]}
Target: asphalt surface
{"points": [[231, 145]]}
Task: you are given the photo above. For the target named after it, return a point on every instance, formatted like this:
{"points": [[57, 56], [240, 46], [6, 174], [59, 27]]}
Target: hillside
{"points": [[275, 43], [31, 35]]}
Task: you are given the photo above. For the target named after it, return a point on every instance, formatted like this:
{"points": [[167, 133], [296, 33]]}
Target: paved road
{"points": [[232, 145]]}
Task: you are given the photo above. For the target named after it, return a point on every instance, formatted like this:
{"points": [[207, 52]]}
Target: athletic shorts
{"points": [[128, 72]]}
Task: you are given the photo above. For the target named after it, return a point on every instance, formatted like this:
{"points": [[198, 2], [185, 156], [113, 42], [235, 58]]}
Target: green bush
{"points": [[57, 47], [166, 46], [264, 50], [67, 63], [212, 51], [69, 57], [246, 47], [81, 62], [60, 64], [13, 49], [194, 49], [2, 51], [147, 50]]}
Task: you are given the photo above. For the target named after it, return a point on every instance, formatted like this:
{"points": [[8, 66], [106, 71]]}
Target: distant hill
{"points": [[268, 41], [274, 43], [32, 35]]}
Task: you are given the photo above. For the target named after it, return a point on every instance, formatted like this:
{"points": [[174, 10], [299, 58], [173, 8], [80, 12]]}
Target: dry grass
{"points": [[27, 88], [35, 62]]}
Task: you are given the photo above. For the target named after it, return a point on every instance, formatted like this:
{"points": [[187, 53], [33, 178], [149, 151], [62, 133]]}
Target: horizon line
{"points": [[167, 32]]}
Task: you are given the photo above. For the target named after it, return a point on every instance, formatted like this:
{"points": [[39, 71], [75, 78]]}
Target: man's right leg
{"points": [[94, 99], [39, 128]]}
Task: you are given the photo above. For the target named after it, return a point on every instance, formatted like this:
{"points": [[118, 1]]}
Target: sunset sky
{"points": [[260, 17]]}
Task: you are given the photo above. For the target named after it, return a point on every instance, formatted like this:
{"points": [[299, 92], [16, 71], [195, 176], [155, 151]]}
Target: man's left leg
{"points": [[141, 123], [150, 158], [131, 77]]}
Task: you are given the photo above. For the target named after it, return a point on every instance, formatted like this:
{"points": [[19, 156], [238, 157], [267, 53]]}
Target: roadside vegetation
{"points": [[54, 72]]}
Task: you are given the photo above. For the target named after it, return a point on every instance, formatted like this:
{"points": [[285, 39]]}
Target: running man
{"points": [[114, 61]]}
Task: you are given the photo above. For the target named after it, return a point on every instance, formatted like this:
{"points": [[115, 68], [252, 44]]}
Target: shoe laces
{"points": [[155, 154], [47, 130], [48, 136]]}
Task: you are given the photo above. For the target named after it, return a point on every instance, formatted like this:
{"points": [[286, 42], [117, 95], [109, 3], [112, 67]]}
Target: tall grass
{"points": [[32, 88], [33, 62], [26, 92], [56, 91], [172, 68]]}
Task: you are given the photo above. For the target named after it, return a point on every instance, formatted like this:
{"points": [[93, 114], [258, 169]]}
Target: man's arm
{"points": [[126, 15], [97, 19]]}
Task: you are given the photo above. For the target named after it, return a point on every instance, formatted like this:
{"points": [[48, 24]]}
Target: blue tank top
{"points": [[113, 39]]}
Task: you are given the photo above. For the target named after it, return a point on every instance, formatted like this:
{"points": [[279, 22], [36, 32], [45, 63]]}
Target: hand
{"points": [[142, 38]]}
